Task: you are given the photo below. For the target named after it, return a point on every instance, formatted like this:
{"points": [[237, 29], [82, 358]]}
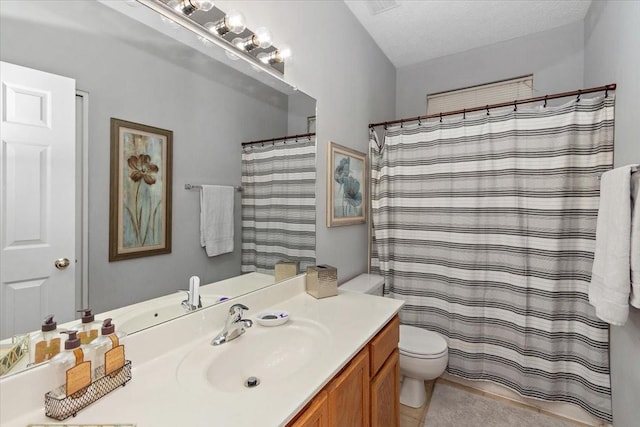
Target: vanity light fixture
{"points": [[256, 47], [232, 22], [261, 38]]}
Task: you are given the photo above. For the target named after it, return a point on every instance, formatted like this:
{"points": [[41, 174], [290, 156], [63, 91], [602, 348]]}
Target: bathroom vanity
{"points": [[365, 393], [334, 363]]}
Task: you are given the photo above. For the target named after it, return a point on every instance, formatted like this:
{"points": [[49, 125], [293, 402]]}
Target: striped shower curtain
{"points": [[486, 228], [278, 205]]}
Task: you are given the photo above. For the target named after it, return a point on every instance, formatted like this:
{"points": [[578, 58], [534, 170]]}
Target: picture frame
{"points": [[311, 124], [140, 207], [346, 186]]}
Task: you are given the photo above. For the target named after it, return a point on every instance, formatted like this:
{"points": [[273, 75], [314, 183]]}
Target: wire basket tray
{"points": [[62, 408]]}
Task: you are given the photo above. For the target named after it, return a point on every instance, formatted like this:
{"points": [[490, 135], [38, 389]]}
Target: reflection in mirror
{"points": [[278, 206], [131, 71]]}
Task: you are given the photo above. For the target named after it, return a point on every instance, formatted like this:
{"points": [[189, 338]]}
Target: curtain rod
{"points": [[282, 138], [605, 88]]}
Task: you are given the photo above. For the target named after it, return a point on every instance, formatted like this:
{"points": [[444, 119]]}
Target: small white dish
{"points": [[272, 318]]}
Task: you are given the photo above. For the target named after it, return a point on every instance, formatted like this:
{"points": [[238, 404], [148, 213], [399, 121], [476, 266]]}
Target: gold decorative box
{"points": [[322, 281], [286, 269]]}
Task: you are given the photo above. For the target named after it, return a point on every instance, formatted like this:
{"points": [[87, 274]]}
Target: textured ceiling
{"points": [[418, 30]]}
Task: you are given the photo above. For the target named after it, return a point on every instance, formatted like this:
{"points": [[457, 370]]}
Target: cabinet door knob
{"points": [[62, 263]]}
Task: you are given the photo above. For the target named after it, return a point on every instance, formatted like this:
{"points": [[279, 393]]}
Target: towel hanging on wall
{"points": [[616, 262], [216, 219]]}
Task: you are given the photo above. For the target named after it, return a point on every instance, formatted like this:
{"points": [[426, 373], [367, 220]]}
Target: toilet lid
{"points": [[418, 341]]}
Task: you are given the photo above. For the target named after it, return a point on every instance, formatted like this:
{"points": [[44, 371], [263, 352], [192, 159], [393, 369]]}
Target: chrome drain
{"points": [[251, 382]]}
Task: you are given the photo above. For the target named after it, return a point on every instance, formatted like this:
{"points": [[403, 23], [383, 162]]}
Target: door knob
{"points": [[62, 263]]}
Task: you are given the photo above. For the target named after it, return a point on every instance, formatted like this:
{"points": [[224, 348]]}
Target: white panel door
{"points": [[37, 212]]}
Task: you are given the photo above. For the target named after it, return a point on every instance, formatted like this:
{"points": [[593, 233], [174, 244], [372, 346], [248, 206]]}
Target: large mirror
{"points": [[157, 75]]}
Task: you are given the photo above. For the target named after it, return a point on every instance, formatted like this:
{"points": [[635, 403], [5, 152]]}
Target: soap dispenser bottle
{"points": [[89, 328], [44, 344], [107, 352], [72, 372]]}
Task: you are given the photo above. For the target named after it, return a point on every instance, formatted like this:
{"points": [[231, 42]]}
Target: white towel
{"points": [[216, 219], [611, 278], [635, 239]]}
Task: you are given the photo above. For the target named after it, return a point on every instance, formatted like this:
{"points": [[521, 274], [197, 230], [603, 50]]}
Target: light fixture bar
{"points": [[165, 10]]}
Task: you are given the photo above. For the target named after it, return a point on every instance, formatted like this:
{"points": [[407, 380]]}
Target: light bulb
{"points": [[239, 43], [276, 56], [203, 5], [174, 4], [264, 57], [211, 27], [262, 38], [189, 6], [235, 22], [284, 52]]}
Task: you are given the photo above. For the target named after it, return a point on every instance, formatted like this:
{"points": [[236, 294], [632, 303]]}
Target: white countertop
{"points": [[155, 398]]}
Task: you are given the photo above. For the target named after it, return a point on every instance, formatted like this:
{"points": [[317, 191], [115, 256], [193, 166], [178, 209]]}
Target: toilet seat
{"points": [[421, 344]]}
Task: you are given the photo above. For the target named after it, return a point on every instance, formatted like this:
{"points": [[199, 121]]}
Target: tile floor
{"points": [[415, 417]]}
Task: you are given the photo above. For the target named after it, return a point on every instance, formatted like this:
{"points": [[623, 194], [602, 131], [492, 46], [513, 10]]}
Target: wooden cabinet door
{"points": [[349, 394], [385, 394], [316, 415]]}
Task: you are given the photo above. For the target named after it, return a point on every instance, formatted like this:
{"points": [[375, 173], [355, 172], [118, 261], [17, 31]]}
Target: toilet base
{"points": [[413, 393]]}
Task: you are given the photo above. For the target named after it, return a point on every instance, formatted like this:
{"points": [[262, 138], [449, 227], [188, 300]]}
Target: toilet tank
{"points": [[366, 283]]}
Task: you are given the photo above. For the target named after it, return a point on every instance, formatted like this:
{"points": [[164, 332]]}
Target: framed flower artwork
{"points": [[346, 186], [140, 194]]}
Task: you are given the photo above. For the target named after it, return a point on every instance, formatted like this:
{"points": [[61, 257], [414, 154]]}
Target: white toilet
{"points": [[423, 354]]}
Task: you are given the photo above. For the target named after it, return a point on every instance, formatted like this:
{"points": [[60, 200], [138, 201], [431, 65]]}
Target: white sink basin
{"points": [[271, 354], [155, 312]]}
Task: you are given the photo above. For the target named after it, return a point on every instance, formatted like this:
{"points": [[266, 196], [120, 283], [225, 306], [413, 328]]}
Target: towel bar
{"points": [[199, 187]]}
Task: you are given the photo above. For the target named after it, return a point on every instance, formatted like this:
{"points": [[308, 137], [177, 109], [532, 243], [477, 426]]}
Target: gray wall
{"points": [[137, 75], [555, 57], [612, 43], [336, 62], [301, 106]]}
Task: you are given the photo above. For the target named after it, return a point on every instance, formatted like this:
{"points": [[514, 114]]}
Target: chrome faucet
{"points": [[234, 326], [193, 301]]}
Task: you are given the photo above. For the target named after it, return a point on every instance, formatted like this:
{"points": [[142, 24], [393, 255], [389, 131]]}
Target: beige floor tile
{"points": [[407, 421]]}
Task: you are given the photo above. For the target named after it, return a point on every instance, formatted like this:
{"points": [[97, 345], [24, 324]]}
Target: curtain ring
{"points": [[385, 126], [419, 121], [263, 144], [606, 93], [515, 105], [579, 93], [401, 124], [545, 101], [464, 114], [487, 109], [440, 117]]}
